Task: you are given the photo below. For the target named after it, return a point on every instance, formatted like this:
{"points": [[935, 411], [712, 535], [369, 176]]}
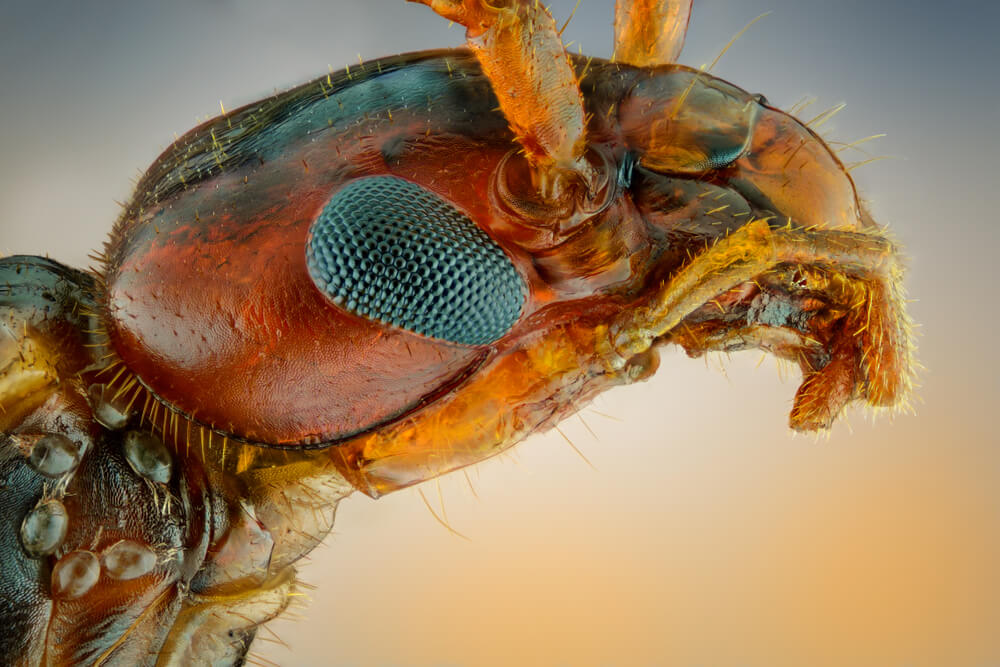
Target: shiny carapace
{"points": [[386, 274]]}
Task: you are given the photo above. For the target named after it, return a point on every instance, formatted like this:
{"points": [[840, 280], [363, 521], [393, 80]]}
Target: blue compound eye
{"points": [[389, 250]]}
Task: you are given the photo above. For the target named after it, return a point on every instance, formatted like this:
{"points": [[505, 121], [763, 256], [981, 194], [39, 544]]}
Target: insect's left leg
{"points": [[519, 49], [650, 32]]}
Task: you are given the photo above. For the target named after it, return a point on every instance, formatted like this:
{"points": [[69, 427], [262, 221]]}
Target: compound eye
{"points": [[683, 122], [389, 250]]}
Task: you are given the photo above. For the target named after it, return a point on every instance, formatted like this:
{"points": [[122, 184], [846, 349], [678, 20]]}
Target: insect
{"points": [[195, 377]]}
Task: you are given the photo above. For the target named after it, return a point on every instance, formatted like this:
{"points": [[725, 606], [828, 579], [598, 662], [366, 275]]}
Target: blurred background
{"points": [[706, 533]]}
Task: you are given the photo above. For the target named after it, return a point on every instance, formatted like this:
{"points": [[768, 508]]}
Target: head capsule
{"points": [[358, 264]]}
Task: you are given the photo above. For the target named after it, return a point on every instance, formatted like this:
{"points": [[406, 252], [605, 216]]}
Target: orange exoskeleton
{"points": [[387, 274]]}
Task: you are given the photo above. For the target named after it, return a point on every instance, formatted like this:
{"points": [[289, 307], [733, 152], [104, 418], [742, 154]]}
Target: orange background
{"points": [[706, 534]]}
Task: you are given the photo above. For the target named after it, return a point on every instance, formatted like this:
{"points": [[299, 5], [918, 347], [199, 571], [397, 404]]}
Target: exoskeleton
{"points": [[386, 274]]}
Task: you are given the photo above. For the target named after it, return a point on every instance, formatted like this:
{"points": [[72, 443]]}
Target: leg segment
{"points": [[518, 46], [650, 32]]}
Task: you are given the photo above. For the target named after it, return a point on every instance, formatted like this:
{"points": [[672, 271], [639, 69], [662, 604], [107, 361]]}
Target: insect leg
{"points": [[650, 32], [518, 46]]}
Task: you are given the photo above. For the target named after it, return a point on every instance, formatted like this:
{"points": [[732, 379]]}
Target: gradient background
{"points": [[708, 534]]}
